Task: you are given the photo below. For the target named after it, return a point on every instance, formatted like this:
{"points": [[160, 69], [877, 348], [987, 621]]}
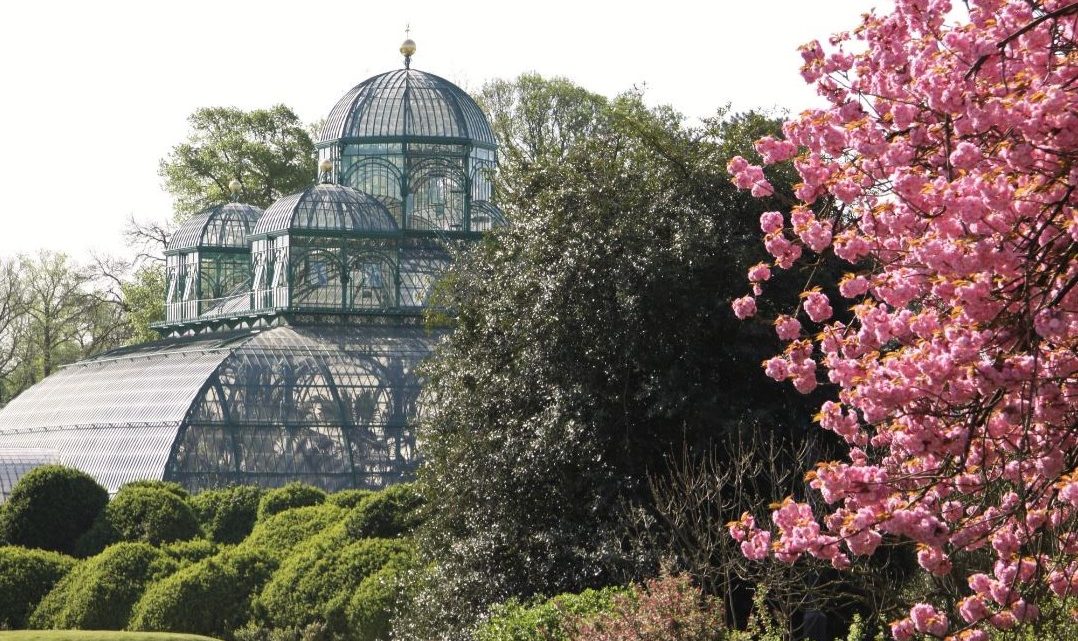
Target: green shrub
{"points": [[150, 514], [390, 513], [211, 597], [316, 582], [188, 552], [670, 607], [376, 602], [50, 508], [290, 496], [282, 532], [26, 576], [227, 515], [349, 498], [550, 620], [168, 486], [98, 593]]}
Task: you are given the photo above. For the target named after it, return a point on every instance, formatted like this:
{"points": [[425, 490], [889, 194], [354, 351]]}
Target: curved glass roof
{"points": [[331, 406], [327, 207], [407, 103], [220, 226]]}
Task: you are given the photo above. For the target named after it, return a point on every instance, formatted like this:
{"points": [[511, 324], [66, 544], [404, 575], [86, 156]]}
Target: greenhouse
{"points": [[292, 335]]}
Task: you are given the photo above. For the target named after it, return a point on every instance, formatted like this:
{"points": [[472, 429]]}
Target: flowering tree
{"points": [[943, 171]]}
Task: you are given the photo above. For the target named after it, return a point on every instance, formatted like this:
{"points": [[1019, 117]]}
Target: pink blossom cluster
{"points": [[944, 171]]}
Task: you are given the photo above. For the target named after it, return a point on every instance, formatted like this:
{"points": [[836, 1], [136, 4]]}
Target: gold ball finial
{"points": [[235, 186], [325, 166], [408, 48]]}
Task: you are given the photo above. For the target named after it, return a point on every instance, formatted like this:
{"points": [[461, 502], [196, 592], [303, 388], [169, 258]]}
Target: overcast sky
{"points": [[94, 94]]}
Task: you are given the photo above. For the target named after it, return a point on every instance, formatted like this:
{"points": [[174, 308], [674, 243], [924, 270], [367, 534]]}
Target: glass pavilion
{"points": [[292, 336]]}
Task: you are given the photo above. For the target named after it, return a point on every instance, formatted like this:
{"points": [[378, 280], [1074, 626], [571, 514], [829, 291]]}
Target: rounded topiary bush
{"points": [[51, 507], [321, 576], [287, 497], [227, 515], [26, 576], [168, 486], [188, 552], [281, 533], [211, 597], [349, 498], [390, 513], [100, 592], [151, 514], [371, 608]]}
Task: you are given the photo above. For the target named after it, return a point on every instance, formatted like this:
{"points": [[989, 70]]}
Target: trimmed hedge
{"points": [[287, 497], [151, 514], [349, 498], [26, 576], [187, 552], [549, 620], [377, 600], [318, 580], [51, 507], [211, 597], [98, 593], [281, 533], [227, 515], [168, 486], [387, 514]]}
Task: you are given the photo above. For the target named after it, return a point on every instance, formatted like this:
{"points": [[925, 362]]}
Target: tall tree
{"points": [[944, 171], [268, 150], [12, 310]]}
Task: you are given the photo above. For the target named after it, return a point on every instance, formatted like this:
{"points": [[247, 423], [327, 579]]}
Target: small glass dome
{"points": [[411, 104], [326, 208], [220, 226]]}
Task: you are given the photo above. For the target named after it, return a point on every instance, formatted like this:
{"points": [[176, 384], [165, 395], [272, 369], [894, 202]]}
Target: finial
{"points": [[235, 186], [326, 168], [408, 47]]}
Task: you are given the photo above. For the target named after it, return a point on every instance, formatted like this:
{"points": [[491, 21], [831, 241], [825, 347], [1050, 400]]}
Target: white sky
{"points": [[94, 94]]}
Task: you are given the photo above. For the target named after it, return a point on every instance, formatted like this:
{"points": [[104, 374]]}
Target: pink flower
{"points": [[927, 620], [817, 307], [852, 286], [902, 630], [759, 273], [776, 368], [787, 327], [744, 307], [965, 155], [771, 222]]}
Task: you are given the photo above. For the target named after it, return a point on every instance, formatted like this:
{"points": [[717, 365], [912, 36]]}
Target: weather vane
{"points": [[408, 46]]}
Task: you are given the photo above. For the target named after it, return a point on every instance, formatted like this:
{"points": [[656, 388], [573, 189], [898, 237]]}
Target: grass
{"points": [[97, 635]]}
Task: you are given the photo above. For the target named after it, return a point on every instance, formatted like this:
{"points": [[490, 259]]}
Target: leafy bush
{"points": [[282, 532], [550, 620], [378, 599], [188, 552], [168, 486], [287, 497], [349, 498], [318, 580], [151, 514], [666, 608], [390, 513], [227, 515], [26, 576], [211, 597], [98, 594], [50, 508]]}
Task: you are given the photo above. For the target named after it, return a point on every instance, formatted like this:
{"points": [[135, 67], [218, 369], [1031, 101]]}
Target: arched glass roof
{"points": [[327, 207], [220, 226], [331, 406], [407, 103]]}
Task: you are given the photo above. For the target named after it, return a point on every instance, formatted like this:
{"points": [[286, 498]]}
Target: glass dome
{"points": [[326, 208], [221, 226]]}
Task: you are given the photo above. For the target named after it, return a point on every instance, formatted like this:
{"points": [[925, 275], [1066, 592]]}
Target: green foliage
{"points": [[168, 486], [26, 576], [268, 150], [390, 513], [318, 580], [188, 552], [348, 498], [550, 620], [227, 515], [51, 507], [99, 593], [281, 533], [211, 597], [290, 496], [144, 301], [378, 600], [151, 514], [583, 352]]}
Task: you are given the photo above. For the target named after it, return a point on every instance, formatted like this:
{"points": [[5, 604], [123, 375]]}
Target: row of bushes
{"points": [[281, 560]]}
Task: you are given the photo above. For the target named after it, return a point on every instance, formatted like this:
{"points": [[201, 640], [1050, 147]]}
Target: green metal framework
{"points": [[292, 336]]}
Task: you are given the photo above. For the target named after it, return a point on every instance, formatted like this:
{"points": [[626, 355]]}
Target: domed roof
{"points": [[407, 103], [326, 207], [220, 226]]}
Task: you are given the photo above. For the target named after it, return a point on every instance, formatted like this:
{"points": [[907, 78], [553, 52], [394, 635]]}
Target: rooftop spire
{"points": [[408, 47]]}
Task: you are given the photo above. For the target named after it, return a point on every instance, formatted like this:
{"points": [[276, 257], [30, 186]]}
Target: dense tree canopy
{"points": [[944, 172], [590, 339], [268, 150]]}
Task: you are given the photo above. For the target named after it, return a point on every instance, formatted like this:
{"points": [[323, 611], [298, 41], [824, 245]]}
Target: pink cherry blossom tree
{"points": [[944, 173]]}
